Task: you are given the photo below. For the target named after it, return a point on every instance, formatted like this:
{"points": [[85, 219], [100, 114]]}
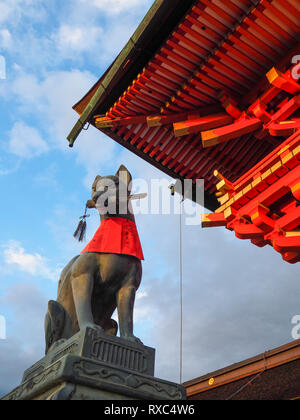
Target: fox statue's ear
{"points": [[98, 177], [125, 176]]}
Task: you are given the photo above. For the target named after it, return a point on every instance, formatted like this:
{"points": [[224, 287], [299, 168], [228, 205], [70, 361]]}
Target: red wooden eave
{"points": [[216, 57]]}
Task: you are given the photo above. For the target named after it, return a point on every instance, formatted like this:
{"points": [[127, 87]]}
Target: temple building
{"points": [[273, 375], [209, 89]]}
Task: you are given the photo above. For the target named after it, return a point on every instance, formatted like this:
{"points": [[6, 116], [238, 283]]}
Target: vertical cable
{"points": [[181, 293], [172, 188]]}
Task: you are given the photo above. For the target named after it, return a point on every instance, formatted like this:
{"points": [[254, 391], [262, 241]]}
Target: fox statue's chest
{"points": [[116, 235]]}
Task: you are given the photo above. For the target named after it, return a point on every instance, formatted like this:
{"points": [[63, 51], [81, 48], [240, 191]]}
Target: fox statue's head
{"points": [[111, 195]]}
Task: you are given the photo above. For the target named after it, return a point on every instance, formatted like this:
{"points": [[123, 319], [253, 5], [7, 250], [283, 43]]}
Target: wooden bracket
{"points": [[283, 81], [201, 124], [229, 132]]}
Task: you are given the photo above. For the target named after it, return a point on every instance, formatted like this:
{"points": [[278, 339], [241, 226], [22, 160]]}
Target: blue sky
{"points": [[238, 299]]}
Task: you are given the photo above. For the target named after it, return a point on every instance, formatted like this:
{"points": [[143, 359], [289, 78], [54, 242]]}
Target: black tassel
{"points": [[81, 228]]}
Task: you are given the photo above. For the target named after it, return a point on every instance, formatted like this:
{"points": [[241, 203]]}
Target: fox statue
{"points": [[106, 275]]}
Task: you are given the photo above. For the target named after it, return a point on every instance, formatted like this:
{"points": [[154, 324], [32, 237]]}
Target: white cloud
{"points": [[26, 91], [72, 40], [81, 29], [118, 20], [9, 164], [52, 98], [5, 39], [141, 295], [24, 345], [5, 10], [34, 264], [26, 142], [116, 6], [13, 10]]}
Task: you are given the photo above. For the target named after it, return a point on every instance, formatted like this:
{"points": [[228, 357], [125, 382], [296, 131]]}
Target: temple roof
{"points": [[183, 92], [273, 375]]}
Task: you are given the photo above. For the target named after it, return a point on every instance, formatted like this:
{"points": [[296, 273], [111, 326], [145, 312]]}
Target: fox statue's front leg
{"points": [[82, 280], [82, 287], [125, 302]]}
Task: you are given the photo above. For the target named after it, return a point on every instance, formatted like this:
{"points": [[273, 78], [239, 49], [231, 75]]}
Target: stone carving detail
{"points": [[34, 382], [119, 353], [98, 380], [101, 347], [126, 358], [72, 349], [64, 394], [101, 367], [88, 370], [35, 370]]}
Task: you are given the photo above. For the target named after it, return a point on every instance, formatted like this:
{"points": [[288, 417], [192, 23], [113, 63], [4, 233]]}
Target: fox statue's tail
{"points": [[54, 324]]}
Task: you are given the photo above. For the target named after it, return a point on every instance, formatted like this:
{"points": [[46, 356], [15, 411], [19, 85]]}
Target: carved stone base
{"points": [[96, 366]]}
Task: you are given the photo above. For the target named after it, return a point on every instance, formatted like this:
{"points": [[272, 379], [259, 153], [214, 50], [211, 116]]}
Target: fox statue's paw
{"points": [[57, 344], [93, 327], [111, 327]]}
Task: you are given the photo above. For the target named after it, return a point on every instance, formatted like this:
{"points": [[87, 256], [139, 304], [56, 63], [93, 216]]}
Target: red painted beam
{"points": [[201, 124], [285, 128], [229, 132], [213, 220], [108, 122], [283, 81]]}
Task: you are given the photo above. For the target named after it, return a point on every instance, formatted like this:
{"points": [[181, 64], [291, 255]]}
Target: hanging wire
{"points": [[181, 293], [172, 188], [252, 380]]}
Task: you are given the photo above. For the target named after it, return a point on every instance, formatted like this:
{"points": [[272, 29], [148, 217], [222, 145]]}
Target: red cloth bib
{"points": [[116, 235]]}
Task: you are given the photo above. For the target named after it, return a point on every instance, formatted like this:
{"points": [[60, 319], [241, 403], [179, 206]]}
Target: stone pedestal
{"points": [[96, 366]]}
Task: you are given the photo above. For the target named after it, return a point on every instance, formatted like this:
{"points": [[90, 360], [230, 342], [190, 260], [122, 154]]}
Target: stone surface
{"points": [[103, 348], [96, 366]]}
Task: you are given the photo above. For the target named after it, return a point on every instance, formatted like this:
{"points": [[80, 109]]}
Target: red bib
{"points": [[116, 235]]}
